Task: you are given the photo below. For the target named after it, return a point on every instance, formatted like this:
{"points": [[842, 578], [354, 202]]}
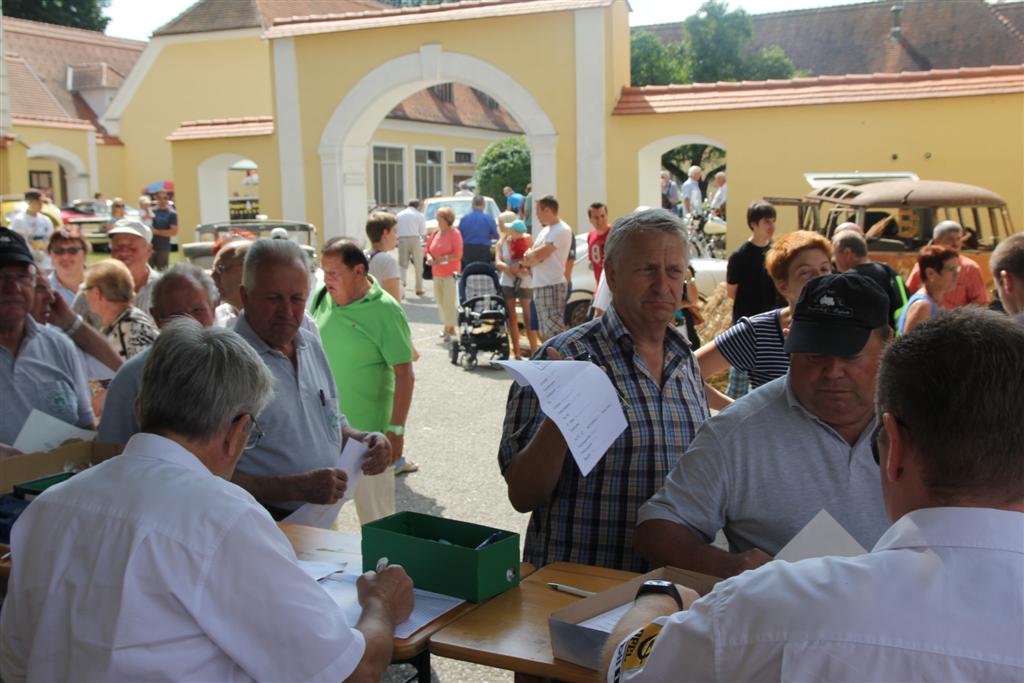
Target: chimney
{"points": [[896, 31]]}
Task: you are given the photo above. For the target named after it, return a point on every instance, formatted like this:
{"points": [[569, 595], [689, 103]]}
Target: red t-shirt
{"points": [[595, 251], [518, 248]]}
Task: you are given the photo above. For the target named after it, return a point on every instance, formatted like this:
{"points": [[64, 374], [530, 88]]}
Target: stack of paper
{"points": [[323, 516]]}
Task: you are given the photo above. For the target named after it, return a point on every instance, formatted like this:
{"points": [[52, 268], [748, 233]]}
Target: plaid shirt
{"points": [[590, 520]]}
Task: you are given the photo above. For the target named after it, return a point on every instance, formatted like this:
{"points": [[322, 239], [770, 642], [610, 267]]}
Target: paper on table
{"points": [[822, 536], [606, 621], [43, 432], [323, 516], [321, 570], [580, 399], [427, 606]]}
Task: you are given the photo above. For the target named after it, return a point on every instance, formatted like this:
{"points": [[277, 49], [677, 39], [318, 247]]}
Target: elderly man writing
{"points": [[154, 565], [590, 519], [970, 285], [763, 468], [130, 243], [297, 462], [941, 595]]}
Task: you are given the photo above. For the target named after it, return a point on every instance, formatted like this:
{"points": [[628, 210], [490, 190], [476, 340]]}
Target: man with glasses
{"points": [[940, 596], [154, 565], [762, 469], [39, 366]]}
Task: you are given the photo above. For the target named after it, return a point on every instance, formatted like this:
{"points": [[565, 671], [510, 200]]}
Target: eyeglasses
{"points": [[255, 433], [879, 428], [60, 251]]}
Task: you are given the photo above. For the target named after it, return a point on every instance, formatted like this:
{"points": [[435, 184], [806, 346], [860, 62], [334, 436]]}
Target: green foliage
{"points": [[505, 162], [654, 62], [87, 14]]}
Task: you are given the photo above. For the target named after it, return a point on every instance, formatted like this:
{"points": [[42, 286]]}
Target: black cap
{"points": [[835, 315], [13, 248]]}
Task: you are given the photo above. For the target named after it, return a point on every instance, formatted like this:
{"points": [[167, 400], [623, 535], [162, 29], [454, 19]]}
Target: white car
{"points": [[460, 205], [710, 273]]}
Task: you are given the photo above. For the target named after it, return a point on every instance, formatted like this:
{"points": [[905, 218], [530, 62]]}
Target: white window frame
{"points": [[460, 150], [444, 167], [404, 174]]}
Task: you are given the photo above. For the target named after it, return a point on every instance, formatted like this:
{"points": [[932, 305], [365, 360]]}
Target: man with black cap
{"points": [[760, 470], [39, 366]]}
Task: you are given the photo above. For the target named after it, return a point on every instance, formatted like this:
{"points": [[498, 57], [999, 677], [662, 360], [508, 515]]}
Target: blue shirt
{"points": [[478, 227], [56, 285], [515, 200], [163, 219], [118, 424]]}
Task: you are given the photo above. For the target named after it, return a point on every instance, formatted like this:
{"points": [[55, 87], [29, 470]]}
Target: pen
{"points": [[323, 401], [562, 588], [382, 564], [496, 536]]}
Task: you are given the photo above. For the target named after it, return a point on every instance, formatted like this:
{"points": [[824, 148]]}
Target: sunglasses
{"points": [[60, 251]]}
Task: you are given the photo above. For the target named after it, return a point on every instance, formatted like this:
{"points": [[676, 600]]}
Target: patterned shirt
{"points": [[755, 346], [590, 519], [131, 332]]}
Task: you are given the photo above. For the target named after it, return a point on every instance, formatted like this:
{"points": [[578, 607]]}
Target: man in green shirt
{"points": [[369, 347]]}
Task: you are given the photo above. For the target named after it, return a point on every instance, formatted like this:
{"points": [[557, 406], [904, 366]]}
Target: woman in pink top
{"points": [[444, 254]]}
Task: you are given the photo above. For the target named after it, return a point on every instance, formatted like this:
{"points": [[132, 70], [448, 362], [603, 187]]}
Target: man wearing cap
{"points": [[165, 226], [970, 285], [131, 244], [762, 469], [39, 366]]}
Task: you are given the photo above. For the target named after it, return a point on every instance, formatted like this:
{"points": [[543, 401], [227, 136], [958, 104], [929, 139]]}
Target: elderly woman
{"points": [[116, 213], [940, 269], [444, 253], [109, 291], [754, 344], [67, 251]]}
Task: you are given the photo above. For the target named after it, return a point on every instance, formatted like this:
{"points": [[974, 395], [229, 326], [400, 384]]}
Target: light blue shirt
{"points": [[691, 190], [301, 424], [56, 285], [118, 424], [46, 374]]}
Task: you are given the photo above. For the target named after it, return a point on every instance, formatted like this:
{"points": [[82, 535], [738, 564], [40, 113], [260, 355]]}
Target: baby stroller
{"points": [[482, 316]]}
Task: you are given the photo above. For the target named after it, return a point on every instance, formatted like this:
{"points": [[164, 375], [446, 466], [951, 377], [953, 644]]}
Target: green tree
{"points": [[87, 14], [654, 62], [505, 162]]}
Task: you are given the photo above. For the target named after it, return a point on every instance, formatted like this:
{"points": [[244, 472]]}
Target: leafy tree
{"points": [[505, 162], [654, 62], [87, 14]]}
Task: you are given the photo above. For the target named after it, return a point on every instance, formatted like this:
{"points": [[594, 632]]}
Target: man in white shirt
{"points": [[546, 259], [412, 228], [721, 195], [692, 199], [940, 596], [153, 565], [36, 227]]}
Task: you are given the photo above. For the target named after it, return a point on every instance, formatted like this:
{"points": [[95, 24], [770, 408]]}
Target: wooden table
{"points": [[511, 632]]}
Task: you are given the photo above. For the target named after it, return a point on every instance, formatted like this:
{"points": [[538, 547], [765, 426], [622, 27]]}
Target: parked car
{"points": [[460, 205], [201, 253]]}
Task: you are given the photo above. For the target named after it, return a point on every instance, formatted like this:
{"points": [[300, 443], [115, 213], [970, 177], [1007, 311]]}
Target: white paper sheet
{"points": [[321, 570], [427, 606], [42, 432], [580, 399], [607, 621], [822, 536], [323, 516]]}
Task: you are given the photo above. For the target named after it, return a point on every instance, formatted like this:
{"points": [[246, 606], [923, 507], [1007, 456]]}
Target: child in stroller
{"points": [[481, 316]]}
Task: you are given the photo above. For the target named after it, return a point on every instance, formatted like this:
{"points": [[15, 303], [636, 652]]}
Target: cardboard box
{"points": [[73, 455], [454, 567], [581, 645]]}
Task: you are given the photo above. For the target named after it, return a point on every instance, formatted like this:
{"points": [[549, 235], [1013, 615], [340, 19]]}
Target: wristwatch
{"points": [[397, 430], [663, 587]]}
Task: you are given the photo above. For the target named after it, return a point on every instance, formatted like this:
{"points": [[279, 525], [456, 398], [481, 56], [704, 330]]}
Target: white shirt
{"points": [[411, 223], [603, 296], [939, 598], [36, 230], [149, 567], [720, 197], [551, 271]]}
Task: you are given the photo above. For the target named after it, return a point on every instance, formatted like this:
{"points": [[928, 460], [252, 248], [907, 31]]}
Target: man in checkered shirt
{"points": [[590, 519]]}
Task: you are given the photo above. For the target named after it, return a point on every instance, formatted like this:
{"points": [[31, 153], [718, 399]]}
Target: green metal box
{"points": [[441, 555]]}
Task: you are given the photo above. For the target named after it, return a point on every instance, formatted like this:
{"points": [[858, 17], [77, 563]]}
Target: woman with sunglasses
{"points": [[67, 250], [117, 208], [940, 268]]}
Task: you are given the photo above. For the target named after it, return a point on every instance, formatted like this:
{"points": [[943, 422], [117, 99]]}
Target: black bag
{"points": [[428, 272]]}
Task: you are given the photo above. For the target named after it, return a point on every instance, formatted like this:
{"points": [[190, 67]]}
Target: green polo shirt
{"points": [[364, 341]]}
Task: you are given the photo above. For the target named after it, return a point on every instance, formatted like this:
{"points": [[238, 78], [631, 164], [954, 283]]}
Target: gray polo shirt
{"points": [[46, 374], [141, 301], [118, 424], [301, 424], [762, 468]]}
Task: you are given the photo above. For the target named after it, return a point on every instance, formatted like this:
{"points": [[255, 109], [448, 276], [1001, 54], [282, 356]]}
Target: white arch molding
{"points": [[213, 187], [344, 144], [75, 171], [649, 164]]}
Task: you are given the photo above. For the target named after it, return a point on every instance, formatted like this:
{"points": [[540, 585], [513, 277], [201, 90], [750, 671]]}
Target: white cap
{"points": [[279, 234], [127, 226]]}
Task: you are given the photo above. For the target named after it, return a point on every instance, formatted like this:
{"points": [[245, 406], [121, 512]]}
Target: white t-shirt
{"points": [[411, 223], [383, 266], [551, 271], [603, 297], [36, 230]]}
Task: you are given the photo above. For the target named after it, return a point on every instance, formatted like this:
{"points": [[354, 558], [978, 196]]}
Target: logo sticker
{"points": [[638, 647]]}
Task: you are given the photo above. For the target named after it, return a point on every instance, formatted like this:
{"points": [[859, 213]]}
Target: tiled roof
{"points": [[28, 95], [856, 39], [1012, 14], [225, 15], [223, 128], [100, 75], [822, 90], [50, 122], [467, 108]]}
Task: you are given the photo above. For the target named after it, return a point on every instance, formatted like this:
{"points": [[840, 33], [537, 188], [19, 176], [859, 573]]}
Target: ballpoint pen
{"points": [[562, 588]]}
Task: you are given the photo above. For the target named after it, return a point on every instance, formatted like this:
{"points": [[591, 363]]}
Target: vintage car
{"points": [[209, 234], [898, 216]]}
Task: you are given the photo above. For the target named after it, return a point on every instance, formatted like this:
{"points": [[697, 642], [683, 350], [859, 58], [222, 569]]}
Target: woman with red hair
{"points": [[939, 268]]}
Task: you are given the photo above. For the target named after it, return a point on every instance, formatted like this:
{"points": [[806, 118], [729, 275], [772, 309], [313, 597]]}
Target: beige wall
{"points": [[13, 169], [112, 178], [48, 166]]}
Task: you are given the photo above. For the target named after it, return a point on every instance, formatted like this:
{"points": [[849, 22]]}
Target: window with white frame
{"points": [[389, 175], [463, 156], [429, 171]]}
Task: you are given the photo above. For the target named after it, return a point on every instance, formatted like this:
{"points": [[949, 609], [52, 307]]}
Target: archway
{"points": [[649, 164], [344, 144], [215, 194], [74, 170]]}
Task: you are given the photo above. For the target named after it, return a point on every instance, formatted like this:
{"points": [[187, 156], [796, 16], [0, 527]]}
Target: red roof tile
{"points": [[223, 128], [28, 95], [468, 108], [226, 15]]}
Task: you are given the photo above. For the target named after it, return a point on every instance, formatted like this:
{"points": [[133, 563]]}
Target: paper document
{"points": [[822, 536], [607, 621], [323, 516], [427, 606], [580, 400], [321, 570], [43, 432]]}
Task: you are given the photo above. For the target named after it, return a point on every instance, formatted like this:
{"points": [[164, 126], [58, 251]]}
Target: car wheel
{"points": [[576, 312]]}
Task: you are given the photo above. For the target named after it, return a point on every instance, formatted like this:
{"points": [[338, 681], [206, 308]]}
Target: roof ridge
{"points": [[73, 33], [394, 11]]}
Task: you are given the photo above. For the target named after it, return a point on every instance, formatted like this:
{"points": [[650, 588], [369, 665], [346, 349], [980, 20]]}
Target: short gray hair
{"points": [[629, 226], [197, 380], [264, 250], [692, 170], [852, 240], [182, 271], [944, 228]]}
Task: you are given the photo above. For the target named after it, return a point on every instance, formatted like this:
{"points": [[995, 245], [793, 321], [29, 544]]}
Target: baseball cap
{"points": [[127, 226], [835, 315], [518, 225], [279, 233], [13, 248]]}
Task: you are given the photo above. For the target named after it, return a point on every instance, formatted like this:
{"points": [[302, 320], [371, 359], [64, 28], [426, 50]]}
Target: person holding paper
{"points": [[941, 595], [760, 470], [590, 519], [153, 565]]}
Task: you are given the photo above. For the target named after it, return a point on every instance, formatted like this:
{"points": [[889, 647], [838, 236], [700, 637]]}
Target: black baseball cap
{"points": [[835, 315], [13, 248]]}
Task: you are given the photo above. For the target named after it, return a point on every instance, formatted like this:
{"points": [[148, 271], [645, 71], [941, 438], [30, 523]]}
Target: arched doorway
{"points": [[221, 192], [649, 164], [76, 176], [344, 144]]}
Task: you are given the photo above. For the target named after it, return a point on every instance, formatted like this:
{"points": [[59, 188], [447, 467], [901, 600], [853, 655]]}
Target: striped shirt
{"points": [[754, 345], [590, 519]]}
